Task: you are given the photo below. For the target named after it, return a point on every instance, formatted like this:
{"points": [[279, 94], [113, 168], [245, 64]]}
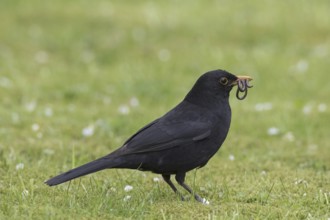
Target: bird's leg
{"points": [[180, 177], [167, 179]]}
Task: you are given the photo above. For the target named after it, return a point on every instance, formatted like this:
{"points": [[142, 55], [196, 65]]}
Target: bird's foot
{"points": [[201, 200], [181, 196]]}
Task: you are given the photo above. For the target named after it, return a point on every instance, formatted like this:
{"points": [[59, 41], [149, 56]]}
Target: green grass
{"points": [[66, 65]]}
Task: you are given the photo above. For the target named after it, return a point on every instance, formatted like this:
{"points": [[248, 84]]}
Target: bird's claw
{"points": [[202, 200]]}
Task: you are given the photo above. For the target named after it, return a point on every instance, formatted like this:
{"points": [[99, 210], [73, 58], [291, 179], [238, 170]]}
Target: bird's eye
{"points": [[223, 80]]}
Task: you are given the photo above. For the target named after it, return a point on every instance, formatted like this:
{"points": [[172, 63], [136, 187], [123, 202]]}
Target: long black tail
{"points": [[85, 169]]}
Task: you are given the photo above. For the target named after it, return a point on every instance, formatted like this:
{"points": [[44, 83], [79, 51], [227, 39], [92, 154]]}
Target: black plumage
{"points": [[183, 139]]}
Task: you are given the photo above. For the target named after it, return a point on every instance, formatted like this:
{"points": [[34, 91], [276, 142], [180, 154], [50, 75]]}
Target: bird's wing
{"points": [[158, 136]]}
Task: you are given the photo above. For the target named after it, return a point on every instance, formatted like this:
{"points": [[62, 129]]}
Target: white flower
{"points": [[123, 109], [30, 106], [312, 148], [128, 188], [301, 181], [35, 127], [302, 66], [164, 55], [5, 82], [320, 51], [289, 136], [322, 107], [15, 117], [48, 151], [20, 166], [41, 57], [307, 109], [134, 102], [126, 198], [156, 179], [88, 131], [113, 189], [202, 189], [273, 131], [231, 157], [266, 106], [25, 193], [48, 112]]}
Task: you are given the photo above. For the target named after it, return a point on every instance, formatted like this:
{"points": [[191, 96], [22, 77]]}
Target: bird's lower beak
{"points": [[248, 78]]}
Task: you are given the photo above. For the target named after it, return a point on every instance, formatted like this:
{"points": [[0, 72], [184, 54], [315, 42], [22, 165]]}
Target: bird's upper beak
{"points": [[248, 78]]}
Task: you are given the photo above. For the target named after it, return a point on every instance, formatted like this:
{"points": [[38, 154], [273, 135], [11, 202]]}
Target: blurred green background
{"points": [[77, 78]]}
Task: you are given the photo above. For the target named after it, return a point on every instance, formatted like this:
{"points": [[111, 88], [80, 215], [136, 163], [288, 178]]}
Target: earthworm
{"points": [[242, 86]]}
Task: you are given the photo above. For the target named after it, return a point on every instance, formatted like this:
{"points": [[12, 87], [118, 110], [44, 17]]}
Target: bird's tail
{"points": [[91, 167]]}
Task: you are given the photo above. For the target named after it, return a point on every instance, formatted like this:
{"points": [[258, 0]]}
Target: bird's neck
{"points": [[209, 101]]}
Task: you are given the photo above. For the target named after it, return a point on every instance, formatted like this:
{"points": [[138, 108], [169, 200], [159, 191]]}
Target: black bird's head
{"points": [[214, 87]]}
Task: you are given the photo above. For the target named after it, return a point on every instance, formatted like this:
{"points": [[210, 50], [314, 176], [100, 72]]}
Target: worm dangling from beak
{"points": [[243, 86]]}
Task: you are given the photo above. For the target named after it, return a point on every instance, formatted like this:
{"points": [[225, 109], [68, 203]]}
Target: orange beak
{"points": [[242, 78]]}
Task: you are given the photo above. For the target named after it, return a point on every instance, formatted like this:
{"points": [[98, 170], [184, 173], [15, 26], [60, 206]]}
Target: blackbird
{"points": [[183, 139]]}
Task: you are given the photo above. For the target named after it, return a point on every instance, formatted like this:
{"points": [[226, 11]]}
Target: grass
{"points": [[70, 65]]}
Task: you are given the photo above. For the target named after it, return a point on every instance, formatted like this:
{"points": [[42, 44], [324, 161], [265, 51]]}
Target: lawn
{"points": [[77, 78]]}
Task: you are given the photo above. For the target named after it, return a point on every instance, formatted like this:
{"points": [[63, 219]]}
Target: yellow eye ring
{"points": [[223, 80]]}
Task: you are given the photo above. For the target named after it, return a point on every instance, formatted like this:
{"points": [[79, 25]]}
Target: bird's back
{"points": [[183, 139]]}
